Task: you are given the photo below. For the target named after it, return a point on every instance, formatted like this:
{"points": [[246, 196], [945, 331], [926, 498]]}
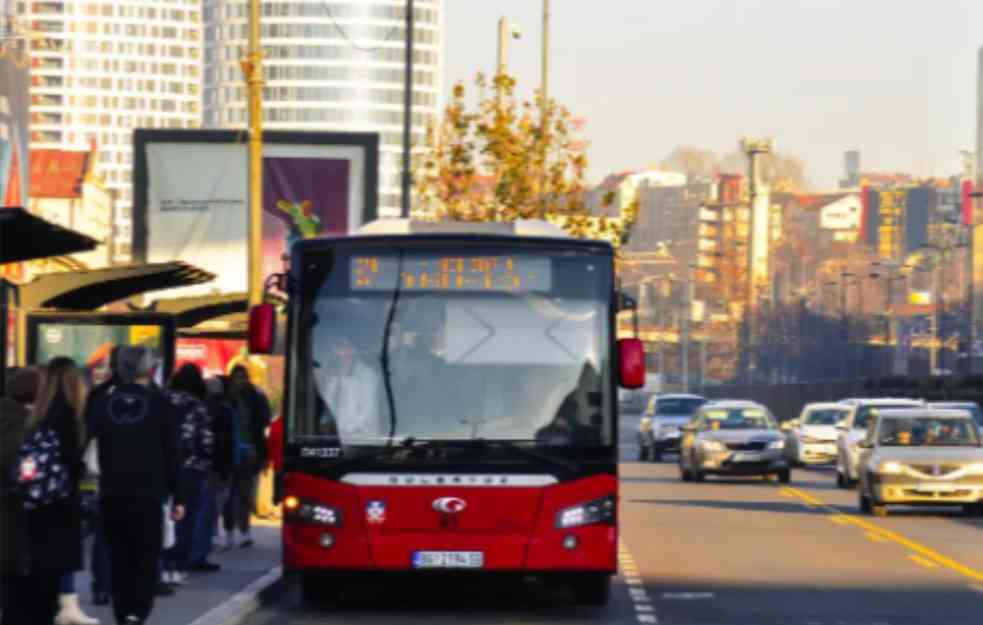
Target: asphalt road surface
{"points": [[735, 552]]}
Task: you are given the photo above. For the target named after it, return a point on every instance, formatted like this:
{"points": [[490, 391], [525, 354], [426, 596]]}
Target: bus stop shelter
{"points": [[24, 237]]}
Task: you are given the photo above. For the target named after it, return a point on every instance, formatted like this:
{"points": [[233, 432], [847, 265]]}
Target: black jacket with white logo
{"points": [[137, 433]]}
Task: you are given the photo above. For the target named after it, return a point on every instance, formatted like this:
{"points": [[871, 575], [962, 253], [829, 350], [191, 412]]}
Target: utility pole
{"points": [[252, 67], [504, 30], [407, 112], [687, 319]]}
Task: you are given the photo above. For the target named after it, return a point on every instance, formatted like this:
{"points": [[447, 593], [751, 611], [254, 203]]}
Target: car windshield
{"points": [[435, 355], [738, 419], [678, 406], [973, 410], [927, 432], [867, 414], [825, 416]]}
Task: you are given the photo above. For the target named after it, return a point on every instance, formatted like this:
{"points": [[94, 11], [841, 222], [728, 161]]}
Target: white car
{"points": [[667, 415], [812, 437], [853, 429]]}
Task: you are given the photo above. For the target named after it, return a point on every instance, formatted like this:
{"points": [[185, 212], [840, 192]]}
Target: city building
{"points": [[101, 68], [333, 65], [66, 190]]}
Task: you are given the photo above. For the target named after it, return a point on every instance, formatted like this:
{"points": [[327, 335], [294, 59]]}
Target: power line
{"points": [[344, 34]]}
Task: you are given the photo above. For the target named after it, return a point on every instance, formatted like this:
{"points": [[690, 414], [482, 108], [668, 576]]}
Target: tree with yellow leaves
{"points": [[508, 160]]}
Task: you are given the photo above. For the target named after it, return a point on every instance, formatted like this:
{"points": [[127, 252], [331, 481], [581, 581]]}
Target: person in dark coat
{"points": [[139, 468], [14, 412], [253, 415], [52, 534]]}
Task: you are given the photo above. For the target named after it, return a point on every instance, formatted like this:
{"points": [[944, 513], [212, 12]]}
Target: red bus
{"points": [[450, 404]]}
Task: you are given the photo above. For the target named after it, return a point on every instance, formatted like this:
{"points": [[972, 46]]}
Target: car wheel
{"points": [[684, 475], [840, 480], [785, 476], [656, 454], [879, 509], [698, 475], [973, 509]]}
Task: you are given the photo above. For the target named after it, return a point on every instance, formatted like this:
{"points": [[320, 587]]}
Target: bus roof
{"points": [[521, 227]]}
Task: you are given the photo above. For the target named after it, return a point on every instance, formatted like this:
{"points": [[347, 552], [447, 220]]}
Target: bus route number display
{"points": [[452, 273]]}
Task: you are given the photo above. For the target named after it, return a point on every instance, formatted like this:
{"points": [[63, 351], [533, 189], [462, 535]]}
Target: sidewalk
{"points": [[203, 591]]}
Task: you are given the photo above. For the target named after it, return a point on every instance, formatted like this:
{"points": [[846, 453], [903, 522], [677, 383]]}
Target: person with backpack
{"points": [[45, 481], [188, 396], [139, 463]]}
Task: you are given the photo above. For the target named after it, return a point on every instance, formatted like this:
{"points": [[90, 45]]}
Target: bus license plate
{"points": [[937, 488], [448, 559]]}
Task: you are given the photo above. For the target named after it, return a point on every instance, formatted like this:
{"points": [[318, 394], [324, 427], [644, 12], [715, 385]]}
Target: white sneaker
{"points": [[179, 578], [230, 541], [165, 578]]}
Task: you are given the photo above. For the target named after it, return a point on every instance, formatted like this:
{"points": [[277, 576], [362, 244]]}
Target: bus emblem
{"points": [[375, 512], [449, 505]]}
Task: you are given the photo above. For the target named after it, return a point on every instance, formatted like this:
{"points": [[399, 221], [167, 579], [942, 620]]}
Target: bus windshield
{"points": [[463, 346]]}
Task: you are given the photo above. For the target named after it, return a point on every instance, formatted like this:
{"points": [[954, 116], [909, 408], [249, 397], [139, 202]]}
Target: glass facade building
{"points": [[329, 65], [100, 68]]}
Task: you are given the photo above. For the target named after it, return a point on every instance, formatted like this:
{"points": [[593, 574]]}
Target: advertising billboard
{"points": [[213, 356], [190, 197], [842, 214], [14, 121], [89, 338]]}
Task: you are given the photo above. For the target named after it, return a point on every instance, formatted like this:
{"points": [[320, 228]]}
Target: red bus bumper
{"points": [[383, 527]]}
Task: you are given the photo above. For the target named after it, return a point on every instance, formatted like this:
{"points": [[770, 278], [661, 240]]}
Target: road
{"points": [[740, 552]]}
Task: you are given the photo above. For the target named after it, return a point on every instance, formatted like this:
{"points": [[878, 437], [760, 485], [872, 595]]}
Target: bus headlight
{"points": [[588, 513], [309, 511]]}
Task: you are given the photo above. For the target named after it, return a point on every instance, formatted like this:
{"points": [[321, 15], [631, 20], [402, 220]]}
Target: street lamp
{"points": [[844, 283], [890, 278], [942, 251], [505, 29]]}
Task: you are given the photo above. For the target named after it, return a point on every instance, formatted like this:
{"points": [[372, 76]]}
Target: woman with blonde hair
{"points": [[52, 524]]}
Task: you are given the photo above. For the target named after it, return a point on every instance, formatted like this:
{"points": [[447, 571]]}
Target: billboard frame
{"points": [[142, 137], [166, 321]]}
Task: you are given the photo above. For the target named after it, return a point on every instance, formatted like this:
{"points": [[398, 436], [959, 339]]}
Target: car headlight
{"points": [[712, 445], [974, 469], [309, 511], [588, 513], [779, 444], [889, 468]]}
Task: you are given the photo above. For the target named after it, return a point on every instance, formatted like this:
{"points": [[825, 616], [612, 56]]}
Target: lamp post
{"points": [[890, 278], [844, 283], [942, 252], [505, 29]]}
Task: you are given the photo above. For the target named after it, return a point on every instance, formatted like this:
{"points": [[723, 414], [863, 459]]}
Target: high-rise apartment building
{"points": [[330, 65], [101, 68]]}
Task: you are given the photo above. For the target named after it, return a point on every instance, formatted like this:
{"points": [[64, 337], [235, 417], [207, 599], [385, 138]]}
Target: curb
{"points": [[246, 602]]}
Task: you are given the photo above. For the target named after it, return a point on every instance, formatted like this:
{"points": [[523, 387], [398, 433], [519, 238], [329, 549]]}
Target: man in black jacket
{"points": [[139, 471]]}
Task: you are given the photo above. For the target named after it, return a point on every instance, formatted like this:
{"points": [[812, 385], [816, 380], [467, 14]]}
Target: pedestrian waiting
{"points": [[139, 462]]}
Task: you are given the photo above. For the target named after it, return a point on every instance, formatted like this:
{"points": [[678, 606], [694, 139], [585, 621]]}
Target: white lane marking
{"points": [[644, 611], [688, 596]]}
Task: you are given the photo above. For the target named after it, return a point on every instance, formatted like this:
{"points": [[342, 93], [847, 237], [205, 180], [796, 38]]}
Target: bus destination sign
{"points": [[452, 273]]}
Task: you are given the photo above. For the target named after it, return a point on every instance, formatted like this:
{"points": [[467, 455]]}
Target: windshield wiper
{"points": [[530, 453], [386, 369]]}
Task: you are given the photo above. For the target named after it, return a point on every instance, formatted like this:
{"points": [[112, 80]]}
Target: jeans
{"points": [[242, 501], [67, 584], [30, 599], [193, 484], [204, 524], [134, 532]]}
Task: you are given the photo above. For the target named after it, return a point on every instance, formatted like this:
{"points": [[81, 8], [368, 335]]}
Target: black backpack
{"points": [[40, 476]]}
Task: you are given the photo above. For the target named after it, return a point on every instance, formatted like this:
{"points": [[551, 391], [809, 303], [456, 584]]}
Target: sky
{"points": [[895, 79]]}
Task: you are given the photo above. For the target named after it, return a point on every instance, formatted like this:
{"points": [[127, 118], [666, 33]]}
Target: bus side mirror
{"points": [[262, 329], [631, 363]]}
